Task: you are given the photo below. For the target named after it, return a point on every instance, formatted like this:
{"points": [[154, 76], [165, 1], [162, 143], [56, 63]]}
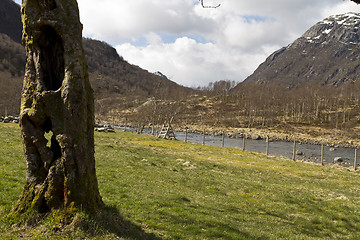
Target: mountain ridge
{"points": [[326, 54]]}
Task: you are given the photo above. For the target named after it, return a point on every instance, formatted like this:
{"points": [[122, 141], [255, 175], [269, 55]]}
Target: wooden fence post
{"points": [[294, 151], [223, 139], [267, 145], [186, 134], [204, 137], [125, 124], [322, 154], [243, 148], [355, 160]]}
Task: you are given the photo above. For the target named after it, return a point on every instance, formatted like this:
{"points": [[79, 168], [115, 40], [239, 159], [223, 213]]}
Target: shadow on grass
{"points": [[210, 228], [107, 220], [110, 220]]}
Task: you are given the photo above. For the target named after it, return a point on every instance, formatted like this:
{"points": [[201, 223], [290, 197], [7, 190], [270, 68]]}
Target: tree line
{"points": [[252, 105]]}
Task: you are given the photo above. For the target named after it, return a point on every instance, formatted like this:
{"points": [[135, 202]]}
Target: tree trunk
{"points": [[57, 111]]}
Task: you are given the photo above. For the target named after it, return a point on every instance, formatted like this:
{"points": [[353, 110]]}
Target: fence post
{"points": [[355, 160], [223, 139], [294, 151], [204, 137], [244, 140], [186, 133], [267, 145], [125, 124], [322, 154]]}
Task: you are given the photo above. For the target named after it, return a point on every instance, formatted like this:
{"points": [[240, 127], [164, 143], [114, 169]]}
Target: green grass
{"points": [[159, 189]]}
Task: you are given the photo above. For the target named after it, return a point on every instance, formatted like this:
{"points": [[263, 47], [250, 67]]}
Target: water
{"points": [[305, 152]]}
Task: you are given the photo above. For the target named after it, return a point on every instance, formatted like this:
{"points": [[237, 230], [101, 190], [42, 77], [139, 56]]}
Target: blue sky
{"points": [[194, 46]]}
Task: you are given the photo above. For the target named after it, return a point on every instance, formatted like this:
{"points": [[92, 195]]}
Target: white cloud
{"points": [[231, 41], [193, 45], [191, 63], [120, 20]]}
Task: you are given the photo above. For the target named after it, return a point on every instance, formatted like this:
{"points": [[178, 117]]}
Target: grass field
{"points": [[159, 189]]}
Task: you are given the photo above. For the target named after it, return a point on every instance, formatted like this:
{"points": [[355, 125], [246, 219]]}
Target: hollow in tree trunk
{"points": [[57, 111]]}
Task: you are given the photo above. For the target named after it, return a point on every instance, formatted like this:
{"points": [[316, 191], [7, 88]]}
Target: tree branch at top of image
{"points": [[206, 6]]}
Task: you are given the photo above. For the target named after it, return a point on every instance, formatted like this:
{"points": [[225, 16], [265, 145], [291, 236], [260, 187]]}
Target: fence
{"points": [[299, 151], [320, 154]]}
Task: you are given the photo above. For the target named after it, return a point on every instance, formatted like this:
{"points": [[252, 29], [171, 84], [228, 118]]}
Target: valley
{"points": [[270, 156], [306, 91]]}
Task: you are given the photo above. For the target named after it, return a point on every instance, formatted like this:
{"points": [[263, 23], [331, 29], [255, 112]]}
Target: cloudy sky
{"points": [[193, 45]]}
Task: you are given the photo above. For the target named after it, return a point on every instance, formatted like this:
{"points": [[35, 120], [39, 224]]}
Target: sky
{"points": [[194, 46]]}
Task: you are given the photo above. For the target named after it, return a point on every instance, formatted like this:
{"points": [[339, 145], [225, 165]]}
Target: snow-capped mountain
{"points": [[328, 53], [342, 28]]}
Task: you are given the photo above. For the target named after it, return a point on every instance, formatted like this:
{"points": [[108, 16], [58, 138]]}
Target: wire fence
{"points": [[297, 151], [321, 154]]}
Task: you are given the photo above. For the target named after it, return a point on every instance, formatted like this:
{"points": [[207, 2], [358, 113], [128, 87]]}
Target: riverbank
{"points": [[299, 133], [282, 132]]}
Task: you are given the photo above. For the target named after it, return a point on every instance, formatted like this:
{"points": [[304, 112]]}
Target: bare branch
{"points": [[205, 6]]}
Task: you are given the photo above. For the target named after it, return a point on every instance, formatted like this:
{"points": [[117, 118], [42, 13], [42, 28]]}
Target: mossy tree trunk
{"points": [[57, 111]]}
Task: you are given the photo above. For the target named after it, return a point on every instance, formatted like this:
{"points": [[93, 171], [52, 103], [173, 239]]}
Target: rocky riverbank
{"points": [[9, 119], [303, 134]]}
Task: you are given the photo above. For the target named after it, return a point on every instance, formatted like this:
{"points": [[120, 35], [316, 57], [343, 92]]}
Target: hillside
{"points": [[12, 65], [10, 20], [326, 54], [115, 82], [112, 78]]}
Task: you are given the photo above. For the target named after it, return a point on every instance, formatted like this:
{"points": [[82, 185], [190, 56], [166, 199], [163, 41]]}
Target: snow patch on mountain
{"points": [[342, 28]]}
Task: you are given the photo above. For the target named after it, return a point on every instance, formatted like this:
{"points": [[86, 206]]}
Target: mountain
{"points": [[327, 54], [115, 82], [12, 65], [10, 20], [111, 76]]}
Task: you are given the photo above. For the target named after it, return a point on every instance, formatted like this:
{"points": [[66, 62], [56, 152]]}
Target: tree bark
{"points": [[57, 111]]}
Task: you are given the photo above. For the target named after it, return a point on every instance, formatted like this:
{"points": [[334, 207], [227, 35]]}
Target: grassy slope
{"points": [[172, 190]]}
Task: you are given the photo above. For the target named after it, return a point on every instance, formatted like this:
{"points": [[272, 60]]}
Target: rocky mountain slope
{"points": [[10, 21], [327, 54], [115, 82], [112, 77]]}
